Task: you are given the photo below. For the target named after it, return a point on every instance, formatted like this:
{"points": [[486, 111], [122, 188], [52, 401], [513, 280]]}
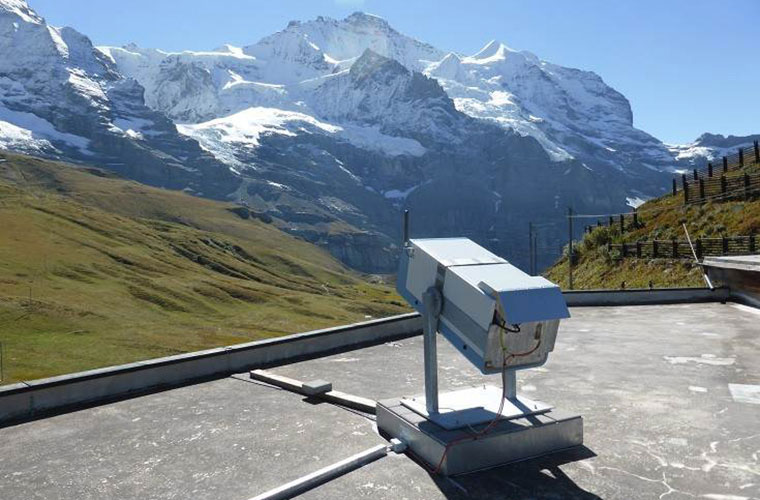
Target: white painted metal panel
{"points": [[456, 251], [421, 273], [468, 297]]}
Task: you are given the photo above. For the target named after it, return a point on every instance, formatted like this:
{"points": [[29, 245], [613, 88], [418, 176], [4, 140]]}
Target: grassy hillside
{"points": [[96, 270], [660, 219]]}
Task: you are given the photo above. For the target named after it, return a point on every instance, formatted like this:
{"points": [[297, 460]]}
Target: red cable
{"points": [[487, 429]]}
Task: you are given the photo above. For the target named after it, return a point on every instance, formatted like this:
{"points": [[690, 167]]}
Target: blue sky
{"points": [[687, 66]]}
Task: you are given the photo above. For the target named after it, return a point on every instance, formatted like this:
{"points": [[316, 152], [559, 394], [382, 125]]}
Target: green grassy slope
{"points": [[661, 219], [96, 270]]}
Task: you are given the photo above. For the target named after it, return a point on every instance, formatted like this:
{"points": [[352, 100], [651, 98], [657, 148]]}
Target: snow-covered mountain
{"points": [[60, 97], [329, 127], [572, 113], [710, 147]]}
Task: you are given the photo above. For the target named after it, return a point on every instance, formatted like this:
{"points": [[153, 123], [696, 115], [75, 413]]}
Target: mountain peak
{"points": [[491, 50], [724, 141], [367, 19], [450, 58], [707, 137], [371, 62], [21, 9], [450, 68]]}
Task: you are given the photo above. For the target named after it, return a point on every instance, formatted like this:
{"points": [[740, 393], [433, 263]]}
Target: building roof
{"points": [[668, 396], [743, 262]]}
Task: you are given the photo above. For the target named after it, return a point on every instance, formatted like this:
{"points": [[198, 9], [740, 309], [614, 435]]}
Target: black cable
{"points": [[504, 326]]}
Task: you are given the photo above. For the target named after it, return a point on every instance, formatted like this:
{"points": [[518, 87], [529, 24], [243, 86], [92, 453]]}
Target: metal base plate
{"points": [[473, 406], [453, 452]]}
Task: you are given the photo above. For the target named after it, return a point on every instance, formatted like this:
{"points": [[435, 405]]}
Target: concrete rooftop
{"points": [[665, 391], [747, 262]]}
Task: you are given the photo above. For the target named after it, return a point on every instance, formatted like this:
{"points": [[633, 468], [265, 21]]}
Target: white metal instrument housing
{"points": [[484, 298]]}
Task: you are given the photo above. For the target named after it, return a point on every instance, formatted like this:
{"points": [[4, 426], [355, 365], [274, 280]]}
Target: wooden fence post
{"points": [[623, 251], [723, 184], [725, 164], [675, 186], [654, 249], [702, 189], [696, 175], [709, 170], [611, 221], [757, 152], [741, 157], [751, 243], [675, 249], [635, 218], [638, 249], [746, 186], [685, 188], [699, 248], [622, 224], [724, 249]]}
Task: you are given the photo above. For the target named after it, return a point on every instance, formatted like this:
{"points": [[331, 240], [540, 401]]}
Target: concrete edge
{"points": [[732, 263], [745, 299], [38, 398], [644, 296], [743, 281]]}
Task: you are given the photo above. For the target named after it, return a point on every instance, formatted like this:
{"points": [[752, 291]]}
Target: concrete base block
{"points": [[461, 451]]}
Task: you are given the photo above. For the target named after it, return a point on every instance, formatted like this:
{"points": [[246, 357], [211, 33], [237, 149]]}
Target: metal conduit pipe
{"points": [[309, 481]]}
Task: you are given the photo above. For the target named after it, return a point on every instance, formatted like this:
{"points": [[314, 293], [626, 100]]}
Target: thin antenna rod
{"points": [[696, 259], [569, 248], [406, 227]]}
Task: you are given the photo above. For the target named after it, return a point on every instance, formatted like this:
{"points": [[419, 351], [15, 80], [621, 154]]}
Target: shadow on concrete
{"points": [[535, 479]]}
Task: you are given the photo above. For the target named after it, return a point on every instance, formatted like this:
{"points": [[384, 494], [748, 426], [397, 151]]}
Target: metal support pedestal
{"points": [[525, 428], [431, 299], [470, 406]]}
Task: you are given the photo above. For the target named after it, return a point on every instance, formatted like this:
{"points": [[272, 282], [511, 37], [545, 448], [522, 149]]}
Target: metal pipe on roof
{"points": [[325, 474]]}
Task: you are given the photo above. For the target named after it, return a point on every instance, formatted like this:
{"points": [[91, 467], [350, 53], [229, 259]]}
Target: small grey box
{"points": [[316, 387]]}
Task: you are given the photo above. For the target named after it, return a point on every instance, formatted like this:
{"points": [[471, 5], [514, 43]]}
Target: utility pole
{"points": [[570, 247], [530, 250]]}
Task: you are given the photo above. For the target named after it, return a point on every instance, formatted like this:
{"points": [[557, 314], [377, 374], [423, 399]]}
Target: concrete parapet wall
{"points": [[645, 296], [35, 398], [743, 278], [31, 399]]}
